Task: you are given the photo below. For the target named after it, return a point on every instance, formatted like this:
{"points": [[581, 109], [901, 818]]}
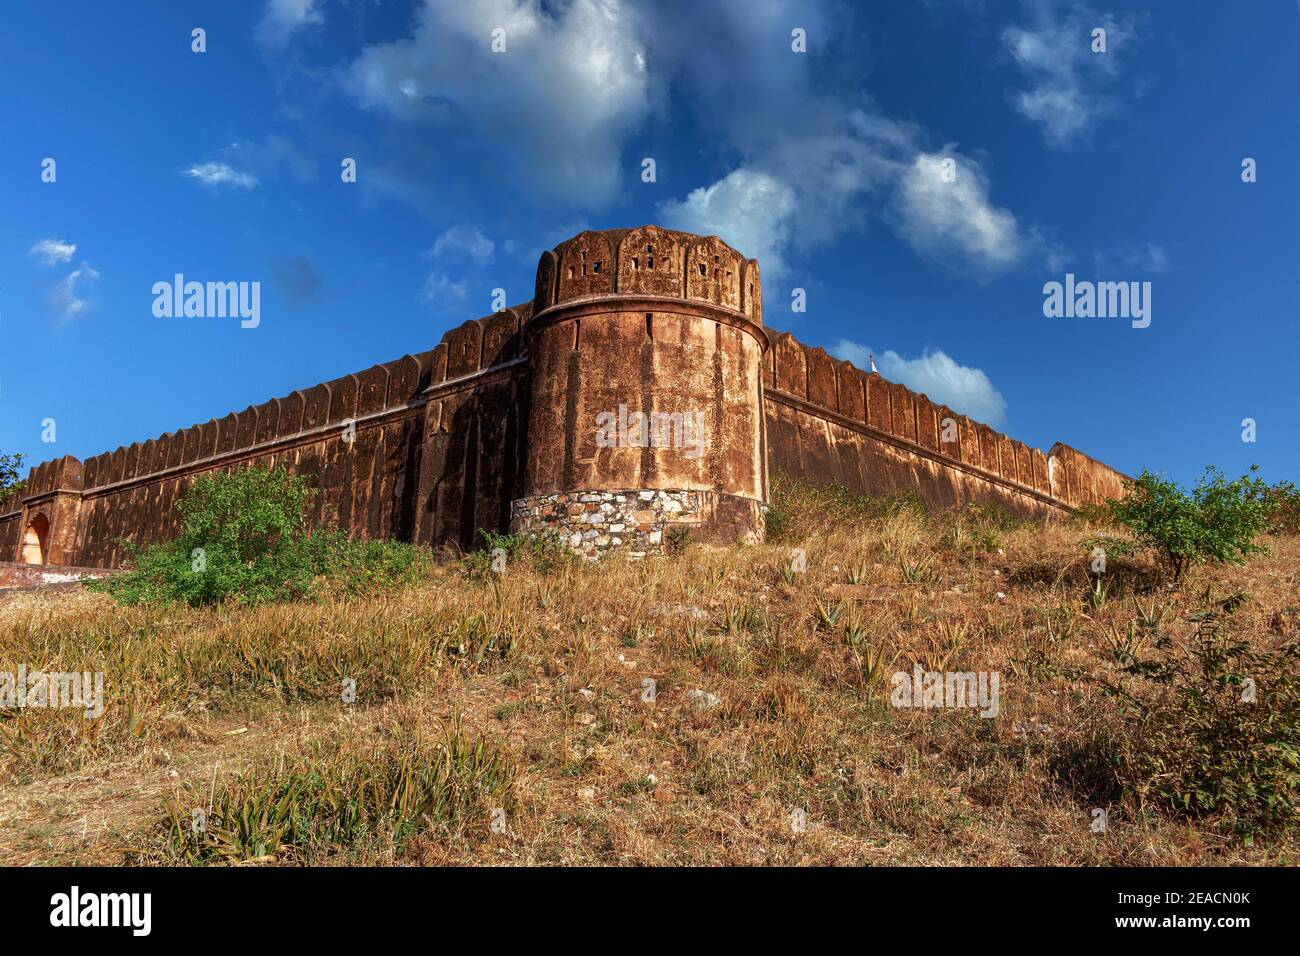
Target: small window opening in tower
{"points": [[570, 272], [704, 270], [636, 263], [36, 541], [595, 266], [649, 328]]}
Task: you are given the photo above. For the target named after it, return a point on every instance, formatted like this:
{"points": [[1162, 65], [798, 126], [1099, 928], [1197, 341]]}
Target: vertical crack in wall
{"points": [[717, 444], [646, 404], [469, 488], [573, 383]]}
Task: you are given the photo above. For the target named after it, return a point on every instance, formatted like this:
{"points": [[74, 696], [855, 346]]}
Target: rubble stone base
{"points": [[637, 521]]}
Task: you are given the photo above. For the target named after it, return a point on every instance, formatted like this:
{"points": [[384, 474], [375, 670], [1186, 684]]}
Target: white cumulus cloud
{"points": [[750, 210], [962, 388], [52, 252], [945, 213], [803, 154], [571, 84], [818, 157]]}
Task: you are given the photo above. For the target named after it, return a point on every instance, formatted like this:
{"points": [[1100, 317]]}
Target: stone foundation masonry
{"points": [[592, 522]]}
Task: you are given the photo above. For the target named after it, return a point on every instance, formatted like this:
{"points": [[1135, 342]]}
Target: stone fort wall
{"points": [[828, 420], [495, 427]]}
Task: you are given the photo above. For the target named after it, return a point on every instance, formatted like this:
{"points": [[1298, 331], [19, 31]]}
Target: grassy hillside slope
{"points": [[510, 718]]}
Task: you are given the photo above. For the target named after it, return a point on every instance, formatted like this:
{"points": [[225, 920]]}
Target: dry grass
{"points": [[550, 669]]}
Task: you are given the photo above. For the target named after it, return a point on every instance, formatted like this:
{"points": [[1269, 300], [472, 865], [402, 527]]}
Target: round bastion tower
{"points": [[645, 419]]}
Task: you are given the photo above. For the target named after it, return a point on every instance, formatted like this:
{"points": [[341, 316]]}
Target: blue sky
{"points": [[1122, 165]]}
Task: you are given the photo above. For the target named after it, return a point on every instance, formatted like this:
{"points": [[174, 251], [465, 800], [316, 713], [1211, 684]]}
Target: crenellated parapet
{"points": [[649, 261], [866, 404], [39, 525]]}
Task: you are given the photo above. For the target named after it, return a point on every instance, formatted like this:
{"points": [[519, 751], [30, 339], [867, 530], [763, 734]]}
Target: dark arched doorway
{"points": [[36, 540]]}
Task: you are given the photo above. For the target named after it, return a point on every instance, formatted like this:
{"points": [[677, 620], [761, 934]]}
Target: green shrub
{"points": [[1213, 727], [777, 523], [544, 550], [1283, 501], [1218, 522], [356, 568], [1113, 546], [10, 468], [244, 539]]}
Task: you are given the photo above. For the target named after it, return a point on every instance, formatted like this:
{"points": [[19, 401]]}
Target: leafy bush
{"points": [[244, 538], [1283, 501], [1113, 546], [356, 568], [10, 468], [544, 550], [1213, 727], [1218, 522], [777, 523]]}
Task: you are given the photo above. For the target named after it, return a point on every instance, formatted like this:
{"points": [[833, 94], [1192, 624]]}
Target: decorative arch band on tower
{"points": [[649, 260]]}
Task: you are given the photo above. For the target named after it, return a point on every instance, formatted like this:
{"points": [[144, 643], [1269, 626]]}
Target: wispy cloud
{"points": [[52, 252], [1055, 54], [1140, 258], [458, 250], [945, 213], [67, 296], [440, 288], [962, 388], [283, 18], [218, 175], [463, 242], [270, 157]]}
